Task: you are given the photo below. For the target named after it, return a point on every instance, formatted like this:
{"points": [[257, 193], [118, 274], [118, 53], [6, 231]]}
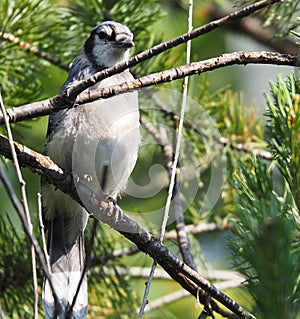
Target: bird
{"points": [[98, 143]]}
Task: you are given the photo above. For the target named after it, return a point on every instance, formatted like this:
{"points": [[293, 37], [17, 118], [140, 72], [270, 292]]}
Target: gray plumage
{"points": [[99, 140]]}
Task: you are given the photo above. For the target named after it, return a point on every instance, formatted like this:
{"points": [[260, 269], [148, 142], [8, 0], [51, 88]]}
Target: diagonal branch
{"points": [[112, 215], [252, 27], [164, 46], [145, 55], [67, 99], [33, 50], [227, 59], [60, 102]]}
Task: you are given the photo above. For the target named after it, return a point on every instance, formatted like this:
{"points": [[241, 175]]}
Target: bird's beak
{"points": [[124, 42], [127, 44]]}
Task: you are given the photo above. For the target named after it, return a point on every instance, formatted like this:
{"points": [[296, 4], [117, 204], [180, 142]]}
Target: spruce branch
{"points": [[63, 101], [262, 153], [112, 215]]}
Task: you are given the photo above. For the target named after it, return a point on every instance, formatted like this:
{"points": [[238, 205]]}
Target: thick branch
{"points": [[113, 216], [227, 59], [59, 102]]}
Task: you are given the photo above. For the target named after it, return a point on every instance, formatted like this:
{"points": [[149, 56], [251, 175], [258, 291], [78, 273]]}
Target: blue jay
{"points": [[99, 140]]}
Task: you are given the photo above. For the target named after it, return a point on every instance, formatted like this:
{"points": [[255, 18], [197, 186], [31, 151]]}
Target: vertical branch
{"points": [[182, 237], [172, 182], [42, 229], [24, 203]]}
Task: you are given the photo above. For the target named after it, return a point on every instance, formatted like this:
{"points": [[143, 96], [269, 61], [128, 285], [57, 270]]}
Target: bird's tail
{"points": [[67, 266]]}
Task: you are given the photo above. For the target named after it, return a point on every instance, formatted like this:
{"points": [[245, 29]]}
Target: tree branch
{"points": [[25, 206], [35, 51], [227, 59], [252, 27], [180, 226], [27, 230], [112, 215], [61, 101], [67, 99], [164, 46]]}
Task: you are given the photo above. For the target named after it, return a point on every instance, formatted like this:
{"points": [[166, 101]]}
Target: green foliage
{"points": [[266, 242], [283, 129], [110, 293], [235, 120], [297, 34], [15, 272], [280, 15], [38, 24], [266, 247]]}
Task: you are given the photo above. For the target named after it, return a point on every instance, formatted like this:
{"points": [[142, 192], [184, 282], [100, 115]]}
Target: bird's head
{"points": [[108, 44]]}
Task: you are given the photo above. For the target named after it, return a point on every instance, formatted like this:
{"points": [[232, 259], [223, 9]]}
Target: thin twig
{"points": [[199, 67], [172, 176], [246, 148], [168, 152], [147, 290], [86, 264], [25, 206], [105, 258], [182, 238], [89, 251], [13, 197], [131, 250], [178, 295], [198, 229], [35, 51], [252, 27], [222, 276], [167, 299], [42, 229], [2, 316]]}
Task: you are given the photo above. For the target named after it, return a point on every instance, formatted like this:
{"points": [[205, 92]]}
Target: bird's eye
{"points": [[102, 35]]}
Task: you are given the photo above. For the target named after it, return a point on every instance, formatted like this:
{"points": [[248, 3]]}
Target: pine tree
{"points": [[239, 173]]}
